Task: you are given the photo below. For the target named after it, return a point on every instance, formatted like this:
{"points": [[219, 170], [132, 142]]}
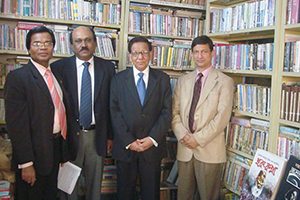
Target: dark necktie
{"points": [[141, 88], [85, 113], [196, 95]]}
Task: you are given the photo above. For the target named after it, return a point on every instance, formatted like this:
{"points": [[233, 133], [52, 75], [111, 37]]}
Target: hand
{"points": [[189, 141], [145, 143], [28, 175], [109, 146], [134, 146]]}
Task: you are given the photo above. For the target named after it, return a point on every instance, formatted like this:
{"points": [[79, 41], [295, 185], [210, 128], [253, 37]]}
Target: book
{"points": [[264, 176], [289, 187]]}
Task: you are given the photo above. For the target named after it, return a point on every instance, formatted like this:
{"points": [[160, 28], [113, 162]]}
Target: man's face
{"points": [[41, 48], [140, 55], [84, 44], [202, 56]]}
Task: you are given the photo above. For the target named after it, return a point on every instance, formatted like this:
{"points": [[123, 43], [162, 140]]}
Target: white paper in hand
{"points": [[67, 177]]}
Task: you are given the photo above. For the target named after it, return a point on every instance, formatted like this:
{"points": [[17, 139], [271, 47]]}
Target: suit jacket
{"points": [[29, 119], [211, 116], [104, 70], [133, 121]]}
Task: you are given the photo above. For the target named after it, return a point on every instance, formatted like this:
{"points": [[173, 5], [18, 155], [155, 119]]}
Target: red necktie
{"points": [[57, 103], [196, 95]]}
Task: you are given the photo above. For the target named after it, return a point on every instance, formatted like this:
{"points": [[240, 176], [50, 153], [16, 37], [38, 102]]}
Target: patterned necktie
{"points": [[141, 88], [57, 103], [196, 95], [85, 113]]}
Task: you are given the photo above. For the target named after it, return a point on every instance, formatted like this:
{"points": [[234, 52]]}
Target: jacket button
{"points": [[77, 133]]}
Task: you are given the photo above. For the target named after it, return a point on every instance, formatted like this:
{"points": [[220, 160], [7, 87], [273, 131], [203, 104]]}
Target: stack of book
{"points": [[4, 190]]}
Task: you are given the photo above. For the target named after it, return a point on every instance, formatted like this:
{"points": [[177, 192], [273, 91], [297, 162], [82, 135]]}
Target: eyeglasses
{"points": [[41, 44], [136, 54]]}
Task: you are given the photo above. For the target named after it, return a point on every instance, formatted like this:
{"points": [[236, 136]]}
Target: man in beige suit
{"points": [[202, 106]]}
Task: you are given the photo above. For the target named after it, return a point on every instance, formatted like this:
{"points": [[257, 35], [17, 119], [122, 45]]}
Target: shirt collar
{"points": [[80, 62], [136, 71], [205, 72], [40, 67]]}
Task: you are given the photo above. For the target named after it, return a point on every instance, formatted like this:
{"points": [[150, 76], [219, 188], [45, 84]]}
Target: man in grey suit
{"points": [[202, 106], [87, 80], [140, 106]]}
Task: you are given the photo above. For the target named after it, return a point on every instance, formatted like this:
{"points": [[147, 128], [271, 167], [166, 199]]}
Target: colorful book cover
{"points": [[289, 188], [264, 176]]}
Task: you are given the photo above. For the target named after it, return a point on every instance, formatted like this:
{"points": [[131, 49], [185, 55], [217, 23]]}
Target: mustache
{"points": [[84, 48]]}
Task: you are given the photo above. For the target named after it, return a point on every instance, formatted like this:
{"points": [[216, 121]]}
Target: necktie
{"points": [[141, 88], [57, 103], [85, 113], [196, 95]]}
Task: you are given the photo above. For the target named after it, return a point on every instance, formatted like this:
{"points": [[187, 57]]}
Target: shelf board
{"points": [[159, 36], [247, 72], [292, 27], [291, 74], [289, 123], [170, 4], [232, 189], [245, 34], [240, 153], [55, 55], [241, 112], [56, 21], [167, 186], [2, 122], [226, 2], [167, 68]]}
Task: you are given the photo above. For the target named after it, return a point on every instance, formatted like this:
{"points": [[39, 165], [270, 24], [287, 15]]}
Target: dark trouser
{"points": [[149, 177], [45, 187]]}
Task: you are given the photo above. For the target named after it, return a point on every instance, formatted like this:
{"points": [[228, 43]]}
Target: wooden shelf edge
{"points": [[254, 115], [289, 123]]}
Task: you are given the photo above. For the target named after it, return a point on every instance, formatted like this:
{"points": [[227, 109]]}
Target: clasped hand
{"points": [[141, 144], [189, 141]]}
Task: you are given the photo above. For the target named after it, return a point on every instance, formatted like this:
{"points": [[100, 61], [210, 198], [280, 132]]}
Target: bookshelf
{"points": [[237, 34], [163, 38]]}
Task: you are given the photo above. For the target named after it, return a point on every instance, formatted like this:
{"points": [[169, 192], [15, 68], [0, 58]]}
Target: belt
{"points": [[91, 127], [56, 135]]}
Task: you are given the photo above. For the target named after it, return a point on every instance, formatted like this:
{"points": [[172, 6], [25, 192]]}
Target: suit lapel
{"points": [[98, 72], [130, 84], [152, 81], [189, 88], [40, 81], [70, 71], [209, 84]]}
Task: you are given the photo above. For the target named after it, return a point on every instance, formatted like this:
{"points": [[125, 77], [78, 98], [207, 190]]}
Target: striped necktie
{"points": [[57, 103], [196, 96], [85, 113]]}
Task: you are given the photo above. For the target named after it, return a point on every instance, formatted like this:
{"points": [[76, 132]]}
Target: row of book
{"points": [[244, 56], [4, 69], [193, 2], [168, 53], [236, 171], [244, 16], [290, 108], [253, 98], [14, 38], [109, 181], [291, 58], [76, 10], [292, 12], [247, 135], [288, 142], [145, 19]]}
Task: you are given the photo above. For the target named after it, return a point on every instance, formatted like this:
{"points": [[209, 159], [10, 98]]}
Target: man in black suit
{"points": [[140, 106], [36, 119], [87, 80]]}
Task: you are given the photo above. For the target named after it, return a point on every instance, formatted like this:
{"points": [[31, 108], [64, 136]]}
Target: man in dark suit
{"points": [[87, 80], [36, 119], [140, 106]]}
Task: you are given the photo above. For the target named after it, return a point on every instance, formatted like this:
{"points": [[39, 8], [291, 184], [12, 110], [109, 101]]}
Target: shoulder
{"points": [[222, 77], [104, 64]]}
